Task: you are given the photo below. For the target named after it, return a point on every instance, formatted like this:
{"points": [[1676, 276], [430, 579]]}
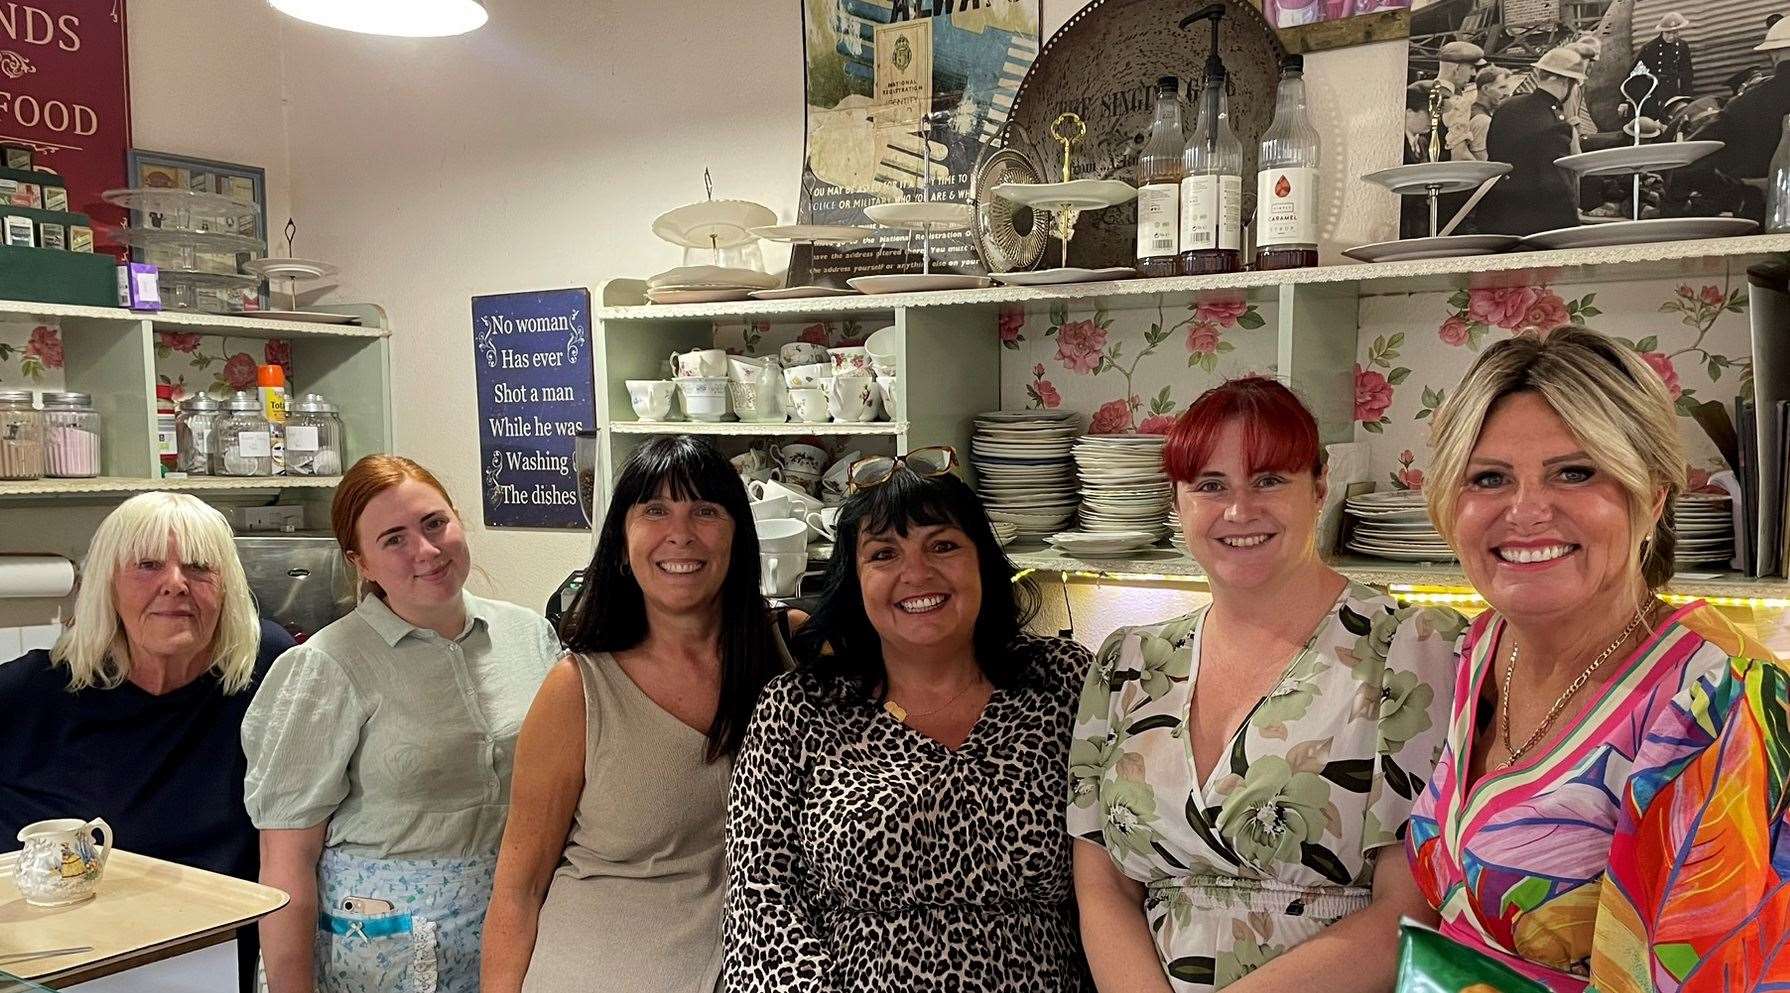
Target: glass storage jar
{"points": [[196, 435], [71, 436], [21, 436], [313, 437], [245, 438]]}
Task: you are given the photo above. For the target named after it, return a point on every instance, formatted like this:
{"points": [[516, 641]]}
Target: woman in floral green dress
{"points": [[1237, 772]]}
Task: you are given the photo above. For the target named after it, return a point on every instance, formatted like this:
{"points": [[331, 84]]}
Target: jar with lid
{"points": [[245, 438], [21, 436], [71, 436], [313, 437], [196, 434]]}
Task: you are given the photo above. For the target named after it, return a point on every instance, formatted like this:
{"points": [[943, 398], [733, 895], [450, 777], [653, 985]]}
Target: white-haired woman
{"points": [[1609, 806], [134, 716]]}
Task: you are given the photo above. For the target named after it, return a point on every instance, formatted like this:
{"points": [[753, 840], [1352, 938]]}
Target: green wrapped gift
{"points": [[1428, 962]]}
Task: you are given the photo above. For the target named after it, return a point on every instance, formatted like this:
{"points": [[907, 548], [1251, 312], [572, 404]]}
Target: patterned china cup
{"points": [[802, 353]]}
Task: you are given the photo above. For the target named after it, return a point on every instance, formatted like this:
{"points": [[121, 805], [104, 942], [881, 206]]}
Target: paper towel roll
{"points": [[36, 576]]}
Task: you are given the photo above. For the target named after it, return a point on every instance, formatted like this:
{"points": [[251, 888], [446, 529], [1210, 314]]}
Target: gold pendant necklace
{"points": [[901, 714], [1513, 754]]}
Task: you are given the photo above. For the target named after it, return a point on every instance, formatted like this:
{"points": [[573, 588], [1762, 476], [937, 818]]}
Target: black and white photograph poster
{"points": [[1527, 82]]}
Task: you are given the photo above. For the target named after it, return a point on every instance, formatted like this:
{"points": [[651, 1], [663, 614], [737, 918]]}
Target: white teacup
{"points": [[782, 534], [825, 521], [704, 363], [770, 508], [802, 353], [804, 459], [800, 502], [883, 370], [62, 859], [809, 406], [652, 398], [891, 396], [803, 377], [836, 480], [849, 359], [757, 402], [705, 398], [753, 369], [780, 575], [881, 346], [853, 399]]}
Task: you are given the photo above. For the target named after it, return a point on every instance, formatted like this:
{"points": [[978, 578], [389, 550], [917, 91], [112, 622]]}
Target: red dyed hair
{"points": [[1279, 434], [366, 479]]}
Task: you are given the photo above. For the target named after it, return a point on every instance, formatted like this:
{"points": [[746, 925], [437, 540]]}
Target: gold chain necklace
{"points": [[901, 714], [1559, 705]]}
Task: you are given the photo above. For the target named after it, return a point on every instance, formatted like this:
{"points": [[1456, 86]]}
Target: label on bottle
{"points": [[1158, 217], [1211, 213], [164, 437], [1286, 207], [301, 439], [254, 444]]}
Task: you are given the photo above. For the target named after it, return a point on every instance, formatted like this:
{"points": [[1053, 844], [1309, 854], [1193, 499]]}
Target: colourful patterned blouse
{"points": [[1646, 848]]}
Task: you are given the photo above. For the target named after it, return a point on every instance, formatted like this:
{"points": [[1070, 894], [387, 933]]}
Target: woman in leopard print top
{"points": [[894, 822]]}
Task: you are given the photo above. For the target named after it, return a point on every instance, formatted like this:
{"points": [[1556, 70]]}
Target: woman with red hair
{"points": [[1238, 772]]}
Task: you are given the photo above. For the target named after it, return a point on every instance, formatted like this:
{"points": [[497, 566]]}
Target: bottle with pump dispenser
{"points": [[1212, 189], [1287, 179], [1159, 185]]}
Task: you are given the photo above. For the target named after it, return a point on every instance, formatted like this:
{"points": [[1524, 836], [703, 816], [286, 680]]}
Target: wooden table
{"points": [[146, 910]]}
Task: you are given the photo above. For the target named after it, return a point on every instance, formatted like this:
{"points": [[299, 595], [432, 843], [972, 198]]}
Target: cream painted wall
{"points": [[535, 152]]}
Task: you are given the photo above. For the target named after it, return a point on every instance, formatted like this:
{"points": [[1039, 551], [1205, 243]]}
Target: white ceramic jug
{"points": [[60, 864]]}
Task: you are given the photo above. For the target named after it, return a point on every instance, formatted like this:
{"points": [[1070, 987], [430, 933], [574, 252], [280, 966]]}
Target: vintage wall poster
{"points": [[875, 69], [64, 92], [532, 361]]}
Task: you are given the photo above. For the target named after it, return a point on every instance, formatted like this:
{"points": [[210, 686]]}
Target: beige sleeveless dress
{"points": [[635, 906]]}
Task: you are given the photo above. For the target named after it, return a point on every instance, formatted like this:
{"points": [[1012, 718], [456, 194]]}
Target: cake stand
{"points": [[809, 234], [1431, 180]]}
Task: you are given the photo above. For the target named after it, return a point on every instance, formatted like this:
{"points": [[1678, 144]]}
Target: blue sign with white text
{"points": [[531, 355]]}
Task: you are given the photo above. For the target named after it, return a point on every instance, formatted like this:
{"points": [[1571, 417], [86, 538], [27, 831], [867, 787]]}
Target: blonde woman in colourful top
{"points": [[1241, 775], [1612, 790]]}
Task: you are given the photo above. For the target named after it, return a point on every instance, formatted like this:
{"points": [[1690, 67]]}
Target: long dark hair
{"points": [[609, 614], [839, 645]]}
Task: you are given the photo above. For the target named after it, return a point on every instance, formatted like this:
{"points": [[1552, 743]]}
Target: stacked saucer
{"points": [[1023, 470], [1705, 525], [1394, 525], [706, 284], [1101, 544], [1123, 484]]}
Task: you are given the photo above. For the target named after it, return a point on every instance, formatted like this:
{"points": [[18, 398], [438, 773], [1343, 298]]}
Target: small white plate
{"points": [[698, 296], [931, 216], [1638, 158], [1451, 247], [1077, 194], [300, 269], [713, 223], [1056, 277], [312, 316], [802, 293], [1449, 177], [916, 282], [819, 234], [1642, 232]]}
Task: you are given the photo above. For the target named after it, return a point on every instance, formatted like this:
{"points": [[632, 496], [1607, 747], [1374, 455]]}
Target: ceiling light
{"points": [[402, 18]]}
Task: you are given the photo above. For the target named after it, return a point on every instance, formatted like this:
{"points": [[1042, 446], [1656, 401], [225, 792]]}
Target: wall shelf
{"points": [[119, 486], [625, 299], [750, 429], [196, 323]]}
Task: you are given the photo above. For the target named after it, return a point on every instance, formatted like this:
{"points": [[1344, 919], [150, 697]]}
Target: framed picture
{"points": [[200, 280], [1317, 25]]}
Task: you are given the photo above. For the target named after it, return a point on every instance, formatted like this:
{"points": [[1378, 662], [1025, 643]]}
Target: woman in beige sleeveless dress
{"points": [[611, 873]]}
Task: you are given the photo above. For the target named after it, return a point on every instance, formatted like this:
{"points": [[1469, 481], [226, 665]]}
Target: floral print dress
{"points": [[1248, 859]]}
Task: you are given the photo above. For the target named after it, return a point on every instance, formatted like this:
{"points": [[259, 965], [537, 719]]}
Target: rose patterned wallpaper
{"points": [[1414, 349], [31, 357]]}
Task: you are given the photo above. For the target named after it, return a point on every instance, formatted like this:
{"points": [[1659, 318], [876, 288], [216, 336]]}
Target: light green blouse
{"points": [[401, 739]]}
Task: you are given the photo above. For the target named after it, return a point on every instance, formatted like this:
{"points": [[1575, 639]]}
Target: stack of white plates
{"points": [[1394, 525], [1023, 471], [1177, 538], [1123, 484], [1705, 528], [1101, 544], [706, 284]]}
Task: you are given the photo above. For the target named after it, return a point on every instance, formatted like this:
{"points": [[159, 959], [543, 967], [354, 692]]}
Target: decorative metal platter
{"points": [[1103, 65], [1008, 236]]}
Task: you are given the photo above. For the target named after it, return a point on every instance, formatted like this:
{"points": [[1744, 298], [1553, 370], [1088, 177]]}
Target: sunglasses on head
{"points": [[875, 470]]}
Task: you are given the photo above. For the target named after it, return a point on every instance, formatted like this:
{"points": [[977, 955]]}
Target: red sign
{"points": [[64, 89]]}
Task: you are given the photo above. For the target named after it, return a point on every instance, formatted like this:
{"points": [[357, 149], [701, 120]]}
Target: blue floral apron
{"points": [[427, 943]]}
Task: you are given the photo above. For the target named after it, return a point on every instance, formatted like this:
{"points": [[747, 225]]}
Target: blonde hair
{"points": [[1612, 401], [148, 526]]}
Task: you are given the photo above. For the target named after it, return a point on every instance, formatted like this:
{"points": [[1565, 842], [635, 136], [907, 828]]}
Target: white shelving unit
{"points": [[950, 357], [110, 353]]}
